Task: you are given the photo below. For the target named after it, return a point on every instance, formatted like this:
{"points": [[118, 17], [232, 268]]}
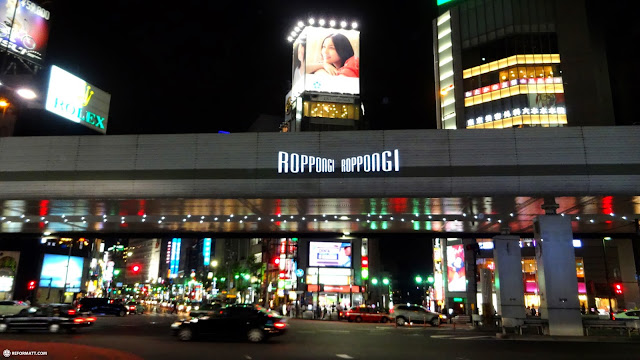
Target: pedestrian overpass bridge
{"points": [[460, 184], [402, 181]]}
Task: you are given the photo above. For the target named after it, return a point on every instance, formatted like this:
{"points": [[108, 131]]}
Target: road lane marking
{"points": [[441, 336], [344, 356], [336, 331], [470, 337]]}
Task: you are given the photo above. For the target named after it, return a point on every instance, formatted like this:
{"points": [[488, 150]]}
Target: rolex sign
{"points": [[76, 100]]}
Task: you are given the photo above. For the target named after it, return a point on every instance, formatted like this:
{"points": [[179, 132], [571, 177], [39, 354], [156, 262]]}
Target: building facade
{"points": [[517, 63]]}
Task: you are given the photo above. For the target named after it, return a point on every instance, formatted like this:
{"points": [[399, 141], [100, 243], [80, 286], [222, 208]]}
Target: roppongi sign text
{"points": [[385, 161]]}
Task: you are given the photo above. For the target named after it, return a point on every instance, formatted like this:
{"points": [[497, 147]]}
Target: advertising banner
{"points": [[24, 29], [456, 280], [55, 272], [326, 60], [74, 99], [329, 254]]}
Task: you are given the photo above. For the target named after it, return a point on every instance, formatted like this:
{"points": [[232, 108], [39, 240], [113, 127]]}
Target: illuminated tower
{"points": [[519, 63], [325, 84]]}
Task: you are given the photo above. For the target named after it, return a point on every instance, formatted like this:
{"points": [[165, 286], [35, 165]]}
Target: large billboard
{"points": [[326, 60], [329, 254], [74, 99], [55, 272], [456, 279], [24, 29]]}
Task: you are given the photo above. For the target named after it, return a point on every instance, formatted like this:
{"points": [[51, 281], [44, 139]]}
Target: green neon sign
{"points": [[457, 299]]}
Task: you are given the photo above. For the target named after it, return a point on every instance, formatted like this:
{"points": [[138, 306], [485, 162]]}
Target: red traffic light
{"points": [[31, 285], [617, 288], [365, 261], [135, 269], [276, 261]]}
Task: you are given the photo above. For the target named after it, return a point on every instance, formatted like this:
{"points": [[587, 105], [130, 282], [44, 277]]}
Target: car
{"points": [[366, 313], [52, 318], [627, 315], [249, 322], [407, 313], [135, 308], [199, 311], [11, 307], [102, 306]]}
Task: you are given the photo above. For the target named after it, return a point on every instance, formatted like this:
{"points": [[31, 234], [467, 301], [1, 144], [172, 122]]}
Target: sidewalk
{"points": [[600, 338]]}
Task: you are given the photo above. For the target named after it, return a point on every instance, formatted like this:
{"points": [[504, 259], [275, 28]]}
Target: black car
{"points": [[235, 321], [102, 306], [205, 310], [52, 318]]}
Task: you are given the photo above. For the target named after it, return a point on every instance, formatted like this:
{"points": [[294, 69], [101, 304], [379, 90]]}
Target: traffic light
{"points": [[136, 269], [365, 267], [276, 261], [617, 288], [31, 285]]}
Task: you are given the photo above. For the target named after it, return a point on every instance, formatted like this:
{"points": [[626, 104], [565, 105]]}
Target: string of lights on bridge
{"points": [[281, 218]]}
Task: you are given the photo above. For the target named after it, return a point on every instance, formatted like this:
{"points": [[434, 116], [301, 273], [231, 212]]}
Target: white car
{"points": [[12, 307], [628, 315], [407, 314]]}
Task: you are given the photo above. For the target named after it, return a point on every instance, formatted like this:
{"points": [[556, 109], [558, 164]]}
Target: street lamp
{"points": [[385, 281], [606, 275]]}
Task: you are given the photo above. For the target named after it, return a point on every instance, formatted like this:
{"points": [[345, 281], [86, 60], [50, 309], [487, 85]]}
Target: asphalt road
{"points": [[148, 337]]}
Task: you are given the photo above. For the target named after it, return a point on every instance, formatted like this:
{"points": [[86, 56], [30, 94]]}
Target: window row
{"points": [[512, 73]]}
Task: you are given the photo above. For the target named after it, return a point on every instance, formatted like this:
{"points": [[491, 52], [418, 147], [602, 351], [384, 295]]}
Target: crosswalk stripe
{"points": [[470, 337], [344, 356]]}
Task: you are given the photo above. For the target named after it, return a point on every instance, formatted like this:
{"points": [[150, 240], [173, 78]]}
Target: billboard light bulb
{"points": [[343, 24], [354, 25], [300, 24], [321, 22], [332, 23], [312, 21]]}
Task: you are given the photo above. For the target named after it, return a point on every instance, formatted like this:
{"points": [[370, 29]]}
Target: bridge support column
{"points": [[557, 280], [508, 278]]}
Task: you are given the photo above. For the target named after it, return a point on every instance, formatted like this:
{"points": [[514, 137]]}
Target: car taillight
{"points": [[280, 325], [132, 307], [78, 320], [391, 311], [71, 312], [91, 319]]}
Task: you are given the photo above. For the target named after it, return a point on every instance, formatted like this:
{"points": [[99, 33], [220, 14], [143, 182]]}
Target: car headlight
{"points": [[176, 325], [442, 316]]}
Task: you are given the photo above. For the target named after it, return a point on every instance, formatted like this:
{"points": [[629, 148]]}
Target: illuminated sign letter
{"points": [[295, 163], [283, 162], [386, 164]]}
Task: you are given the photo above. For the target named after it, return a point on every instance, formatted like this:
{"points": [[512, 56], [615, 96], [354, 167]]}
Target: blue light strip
{"points": [[206, 251]]}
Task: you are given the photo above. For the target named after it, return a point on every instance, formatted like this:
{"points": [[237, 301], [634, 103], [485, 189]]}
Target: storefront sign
{"points": [[386, 161], [334, 288]]}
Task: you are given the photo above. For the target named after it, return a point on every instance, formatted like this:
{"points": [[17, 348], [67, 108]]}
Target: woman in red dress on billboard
{"points": [[338, 58]]}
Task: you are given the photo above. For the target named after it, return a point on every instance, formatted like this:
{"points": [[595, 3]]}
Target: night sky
{"points": [[202, 66]]}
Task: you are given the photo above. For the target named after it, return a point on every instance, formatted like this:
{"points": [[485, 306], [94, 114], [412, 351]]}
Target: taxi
{"points": [[366, 314]]}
